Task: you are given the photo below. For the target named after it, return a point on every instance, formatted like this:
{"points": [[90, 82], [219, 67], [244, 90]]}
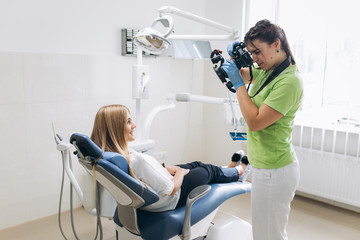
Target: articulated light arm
{"points": [[155, 42], [152, 41], [233, 33]]}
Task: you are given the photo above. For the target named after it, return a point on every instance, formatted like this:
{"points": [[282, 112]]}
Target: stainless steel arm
{"points": [[194, 195]]}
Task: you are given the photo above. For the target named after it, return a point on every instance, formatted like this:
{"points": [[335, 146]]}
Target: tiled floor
{"points": [[308, 220]]}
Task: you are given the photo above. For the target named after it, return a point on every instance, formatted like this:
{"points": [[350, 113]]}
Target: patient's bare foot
{"points": [[241, 168], [232, 165]]}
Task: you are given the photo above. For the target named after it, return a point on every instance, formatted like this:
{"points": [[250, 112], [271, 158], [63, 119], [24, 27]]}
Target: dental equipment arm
{"points": [[152, 41], [233, 33], [150, 117], [64, 148], [86, 195], [155, 42], [144, 133], [179, 97], [187, 97]]}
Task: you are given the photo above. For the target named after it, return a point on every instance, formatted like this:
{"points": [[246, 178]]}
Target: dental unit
{"points": [[121, 197], [155, 42]]}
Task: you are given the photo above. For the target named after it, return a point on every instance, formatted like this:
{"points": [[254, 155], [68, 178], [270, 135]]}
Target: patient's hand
{"points": [[178, 179], [172, 169], [183, 171]]}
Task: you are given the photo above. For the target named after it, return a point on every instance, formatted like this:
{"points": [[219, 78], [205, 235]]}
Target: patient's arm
{"points": [[172, 169], [178, 179]]}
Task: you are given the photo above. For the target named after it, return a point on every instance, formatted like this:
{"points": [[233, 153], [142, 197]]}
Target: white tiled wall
{"points": [[67, 90], [37, 90]]}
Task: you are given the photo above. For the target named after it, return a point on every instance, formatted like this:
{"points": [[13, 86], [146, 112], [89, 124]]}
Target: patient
{"points": [[113, 129]]}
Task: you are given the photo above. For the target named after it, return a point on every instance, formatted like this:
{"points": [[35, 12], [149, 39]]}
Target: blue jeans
{"points": [[201, 174]]}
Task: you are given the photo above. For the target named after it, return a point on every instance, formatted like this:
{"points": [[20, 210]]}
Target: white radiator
{"points": [[330, 164]]}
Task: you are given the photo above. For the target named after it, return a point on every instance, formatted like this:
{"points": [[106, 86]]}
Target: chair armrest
{"points": [[193, 196]]}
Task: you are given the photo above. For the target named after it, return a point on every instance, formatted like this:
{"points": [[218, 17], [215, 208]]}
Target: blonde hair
{"points": [[109, 130]]}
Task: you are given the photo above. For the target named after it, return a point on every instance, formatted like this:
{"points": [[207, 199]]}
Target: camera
{"points": [[242, 59]]}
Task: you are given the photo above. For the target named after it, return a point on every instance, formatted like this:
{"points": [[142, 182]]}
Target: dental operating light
{"points": [[156, 42], [153, 41]]}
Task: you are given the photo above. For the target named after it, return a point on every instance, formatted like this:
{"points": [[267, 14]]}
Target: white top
{"points": [[151, 172]]}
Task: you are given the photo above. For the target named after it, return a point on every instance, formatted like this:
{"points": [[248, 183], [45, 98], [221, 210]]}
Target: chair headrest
{"points": [[115, 164], [89, 149], [86, 146]]}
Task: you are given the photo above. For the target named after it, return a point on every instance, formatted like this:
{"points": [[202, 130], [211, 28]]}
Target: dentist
{"points": [[269, 111]]}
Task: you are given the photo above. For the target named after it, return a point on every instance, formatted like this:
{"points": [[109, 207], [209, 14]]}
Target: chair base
{"points": [[217, 225], [226, 226], [198, 230], [201, 228]]}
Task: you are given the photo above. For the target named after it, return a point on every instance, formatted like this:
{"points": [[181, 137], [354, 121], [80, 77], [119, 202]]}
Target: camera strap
{"points": [[274, 74]]}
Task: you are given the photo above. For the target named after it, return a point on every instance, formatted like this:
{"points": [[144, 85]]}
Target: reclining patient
{"points": [[113, 129]]}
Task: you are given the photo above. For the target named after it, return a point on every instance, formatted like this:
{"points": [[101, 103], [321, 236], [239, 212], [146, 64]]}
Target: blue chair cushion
{"points": [[157, 225], [115, 164], [164, 225], [86, 146]]}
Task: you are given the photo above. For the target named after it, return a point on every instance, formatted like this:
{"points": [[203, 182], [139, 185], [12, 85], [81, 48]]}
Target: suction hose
{"points": [[98, 222]]}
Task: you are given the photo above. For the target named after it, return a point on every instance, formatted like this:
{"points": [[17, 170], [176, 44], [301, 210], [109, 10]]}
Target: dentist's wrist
{"points": [[237, 84]]}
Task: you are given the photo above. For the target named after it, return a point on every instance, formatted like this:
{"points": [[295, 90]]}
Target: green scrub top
{"points": [[272, 146]]}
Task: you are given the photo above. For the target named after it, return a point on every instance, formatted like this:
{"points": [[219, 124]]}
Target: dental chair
{"points": [[193, 221]]}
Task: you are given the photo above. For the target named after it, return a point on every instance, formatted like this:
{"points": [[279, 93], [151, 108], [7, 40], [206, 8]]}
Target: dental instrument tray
{"points": [[238, 136]]}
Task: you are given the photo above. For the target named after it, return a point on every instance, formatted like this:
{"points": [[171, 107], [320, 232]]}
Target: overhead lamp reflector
{"points": [[152, 40]]}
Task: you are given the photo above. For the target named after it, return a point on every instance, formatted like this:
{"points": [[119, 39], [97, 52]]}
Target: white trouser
{"points": [[272, 191]]}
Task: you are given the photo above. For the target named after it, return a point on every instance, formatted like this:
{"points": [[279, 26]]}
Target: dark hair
{"points": [[268, 32]]}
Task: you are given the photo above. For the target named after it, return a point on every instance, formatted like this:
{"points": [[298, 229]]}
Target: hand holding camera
{"points": [[233, 73], [232, 47], [229, 72]]}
